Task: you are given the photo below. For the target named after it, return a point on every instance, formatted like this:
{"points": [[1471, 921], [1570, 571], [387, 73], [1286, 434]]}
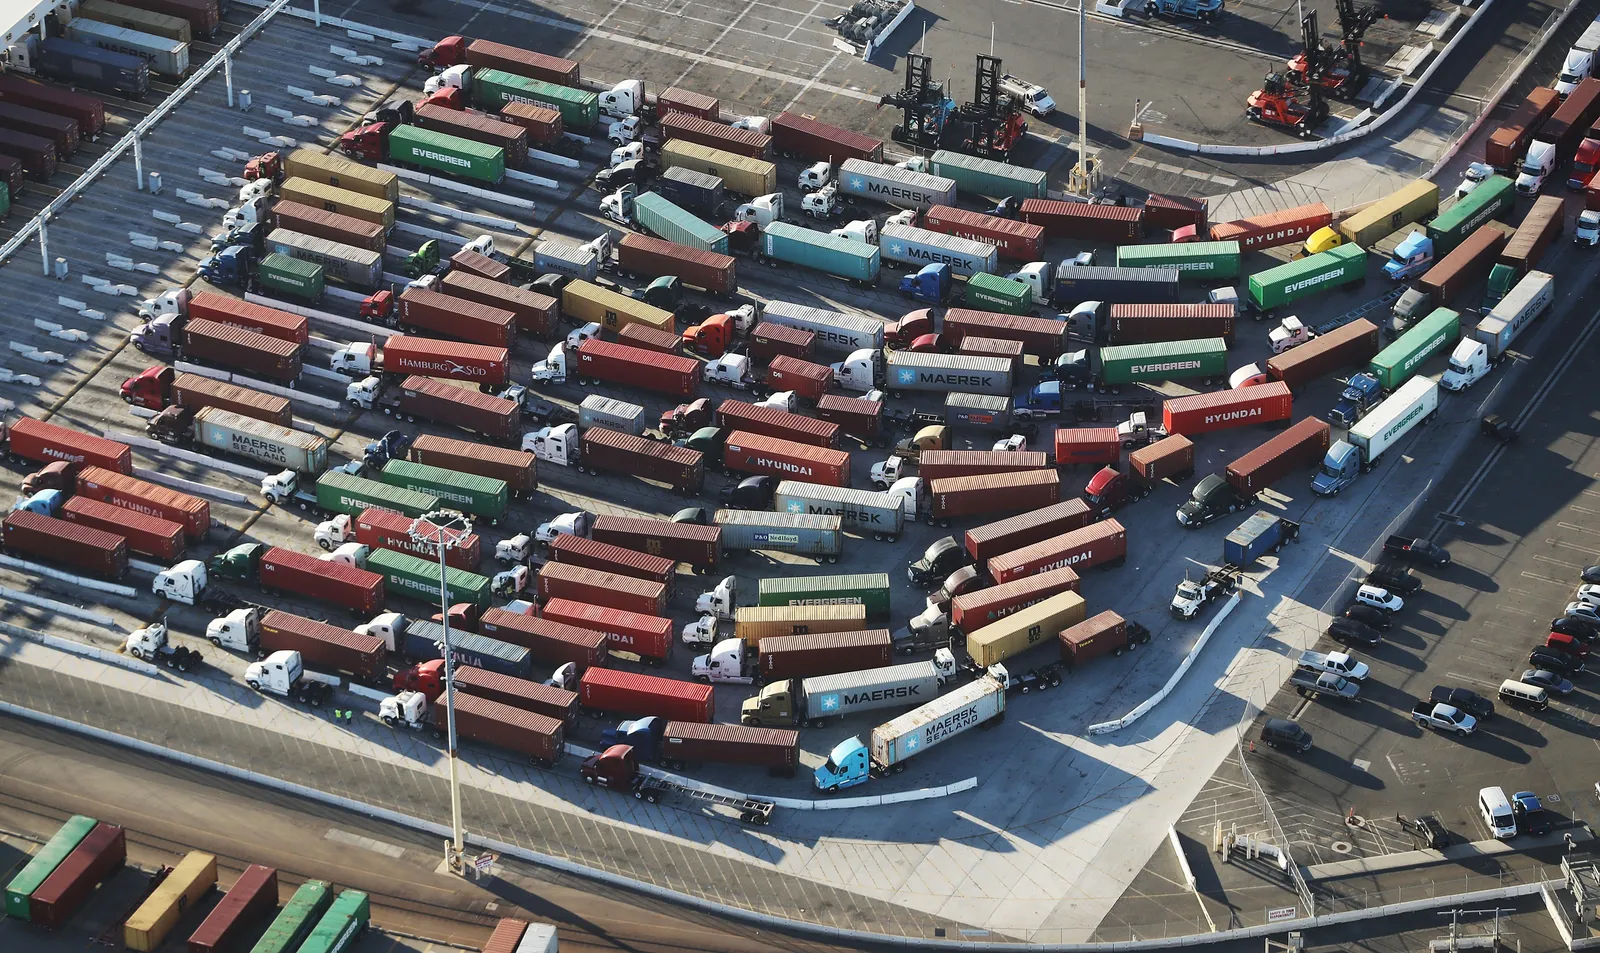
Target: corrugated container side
{"points": [[322, 645], [248, 900], [797, 135], [189, 881], [1347, 346], [108, 486], [296, 918], [946, 464], [634, 693], [1093, 445], [45, 862], [1219, 410], [1303, 444], [597, 586], [973, 610], [647, 636], [288, 571], [1080, 220], [1022, 630], [342, 173], [994, 493], [147, 535], [699, 546], [34, 534], [581, 551], [548, 642], [99, 855], [741, 415], [755, 453], [45, 442], [535, 313], [507, 933], [1097, 543], [1025, 529]]}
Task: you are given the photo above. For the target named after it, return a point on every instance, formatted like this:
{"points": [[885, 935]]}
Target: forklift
{"points": [[992, 123], [1343, 73], [924, 107], [1276, 102]]}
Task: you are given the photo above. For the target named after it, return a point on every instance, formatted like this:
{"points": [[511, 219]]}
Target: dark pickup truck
{"points": [[1419, 551]]}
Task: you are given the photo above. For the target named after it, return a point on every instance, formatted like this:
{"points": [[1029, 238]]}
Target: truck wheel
{"points": [[217, 642], [652, 797], [326, 544], [898, 768], [139, 654], [390, 722], [833, 789], [833, 559]]}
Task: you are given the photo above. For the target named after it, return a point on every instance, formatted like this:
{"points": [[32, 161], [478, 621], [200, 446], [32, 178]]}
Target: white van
{"points": [[1496, 810]]}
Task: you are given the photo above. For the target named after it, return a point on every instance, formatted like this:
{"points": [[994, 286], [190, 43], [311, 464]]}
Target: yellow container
{"points": [[587, 302], [1020, 631], [1413, 203], [738, 173], [754, 623], [354, 204], [191, 880], [342, 173]]}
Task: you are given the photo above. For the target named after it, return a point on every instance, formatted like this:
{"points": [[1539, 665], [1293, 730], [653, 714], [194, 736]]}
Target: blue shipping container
{"points": [[422, 642], [852, 260], [1255, 537]]}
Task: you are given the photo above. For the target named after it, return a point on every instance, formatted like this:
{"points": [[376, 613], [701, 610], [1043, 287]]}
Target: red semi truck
{"points": [[667, 374], [1100, 544], [156, 388], [1171, 458]]}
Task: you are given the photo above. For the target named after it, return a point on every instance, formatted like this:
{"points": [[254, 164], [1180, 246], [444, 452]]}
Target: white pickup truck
{"points": [[1338, 663], [1429, 714]]}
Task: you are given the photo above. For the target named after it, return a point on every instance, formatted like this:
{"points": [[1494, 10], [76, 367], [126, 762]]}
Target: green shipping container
{"points": [[339, 492], [419, 578], [341, 926], [295, 920], [468, 492], [1198, 260], [868, 589], [844, 257], [1164, 361], [1437, 332], [5, 200], [987, 292], [44, 863], [663, 219], [291, 276], [493, 88], [975, 176], [449, 155], [1294, 280], [1493, 198]]}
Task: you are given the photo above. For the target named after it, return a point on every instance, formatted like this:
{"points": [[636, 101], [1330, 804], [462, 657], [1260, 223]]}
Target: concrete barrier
{"points": [[79, 648], [1143, 708]]}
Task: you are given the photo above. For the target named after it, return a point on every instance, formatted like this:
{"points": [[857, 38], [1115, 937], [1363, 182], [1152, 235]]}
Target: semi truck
{"points": [[812, 702], [237, 435], [854, 261], [1486, 345], [800, 534], [428, 150], [404, 355], [1414, 402], [1442, 283], [1067, 284], [1291, 281], [428, 399], [835, 331], [890, 746]]}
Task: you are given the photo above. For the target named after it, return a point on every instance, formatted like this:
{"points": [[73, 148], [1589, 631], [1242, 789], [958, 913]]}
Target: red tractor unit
{"points": [[1276, 104]]}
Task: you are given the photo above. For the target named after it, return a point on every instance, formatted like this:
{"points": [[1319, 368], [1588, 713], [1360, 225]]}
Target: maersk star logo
{"points": [[896, 248], [830, 703], [857, 183], [796, 507], [907, 375], [911, 744]]}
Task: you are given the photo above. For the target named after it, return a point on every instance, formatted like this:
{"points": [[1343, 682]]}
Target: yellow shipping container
{"points": [[587, 302], [345, 202], [738, 173], [1040, 622], [191, 880], [342, 173], [1417, 202], [754, 623]]}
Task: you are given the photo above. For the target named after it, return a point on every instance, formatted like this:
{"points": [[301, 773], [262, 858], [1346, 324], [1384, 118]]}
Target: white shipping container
{"points": [[879, 515], [597, 411], [566, 258], [1381, 428], [892, 686], [166, 56], [940, 720], [835, 330], [1518, 309], [918, 247], [780, 532], [893, 185], [259, 440], [341, 263], [963, 373]]}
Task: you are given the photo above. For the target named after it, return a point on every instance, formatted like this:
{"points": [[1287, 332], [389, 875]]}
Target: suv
{"points": [[1368, 615], [1396, 579], [1466, 700], [1555, 660], [1531, 816], [1381, 599], [1212, 497], [1283, 733], [1580, 628], [1351, 632], [1426, 831]]}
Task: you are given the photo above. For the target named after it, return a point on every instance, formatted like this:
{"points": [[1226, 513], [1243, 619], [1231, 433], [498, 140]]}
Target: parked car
{"points": [[1498, 428], [1531, 816], [1394, 578], [1426, 830], [1367, 615], [1547, 680], [1380, 599], [1591, 574], [1465, 699], [1283, 733], [1573, 626], [1351, 632], [1584, 611], [1588, 594], [1543, 656]]}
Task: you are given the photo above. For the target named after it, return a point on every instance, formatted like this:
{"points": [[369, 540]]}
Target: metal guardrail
{"points": [[223, 56]]}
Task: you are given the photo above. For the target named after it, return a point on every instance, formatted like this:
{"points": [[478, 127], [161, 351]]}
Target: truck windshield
{"points": [[831, 766], [1532, 168], [1330, 470], [1457, 366], [1571, 79], [1582, 168]]}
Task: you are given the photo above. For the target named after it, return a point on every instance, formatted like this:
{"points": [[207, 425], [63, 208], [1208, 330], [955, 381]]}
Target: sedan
{"points": [[1547, 680], [1351, 632], [1367, 615], [1591, 574], [1531, 816], [1582, 610], [1588, 594], [1555, 660], [1578, 628]]}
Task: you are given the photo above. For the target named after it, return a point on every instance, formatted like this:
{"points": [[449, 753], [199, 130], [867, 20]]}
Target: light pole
{"points": [[444, 530]]}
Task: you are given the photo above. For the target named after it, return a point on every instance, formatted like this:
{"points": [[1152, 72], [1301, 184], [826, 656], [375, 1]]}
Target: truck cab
{"points": [[940, 559], [1410, 258], [751, 493], [1469, 363], [824, 204], [861, 371], [1030, 97], [623, 100], [760, 211], [1043, 400], [576, 524], [356, 360], [720, 601], [43, 502], [150, 644], [863, 230], [1290, 332], [814, 176], [1361, 393], [181, 582], [686, 418], [1071, 370], [728, 661], [616, 768], [1211, 498], [409, 708], [558, 444], [1587, 229], [1110, 490], [912, 325], [1040, 279], [618, 206], [1413, 306], [777, 705], [728, 370], [711, 337], [848, 765], [932, 283], [553, 369], [283, 674], [1341, 465], [351, 554], [1537, 166], [239, 630]]}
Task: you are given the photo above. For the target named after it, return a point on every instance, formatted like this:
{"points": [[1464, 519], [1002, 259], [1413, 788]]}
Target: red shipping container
{"points": [[1348, 346], [536, 313], [548, 642], [541, 738], [579, 551], [769, 340], [230, 346], [284, 570], [386, 529], [1173, 212], [1045, 337], [654, 257], [1150, 323], [146, 535], [250, 899], [1018, 241], [1220, 410], [192, 512], [454, 360], [795, 136], [619, 364], [1507, 144], [323, 646], [699, 546], [772, 422], [543, 123], [1098, 544], [546, 700], [675, 100], [1012, 351], [601, 588], [271, 322], [1101, 445], [321, 223], [604, 449], [644, 337], [418, 308], [42, 442], [946, 464], [507, 934], [1304, 444], [89, 111], [971, 611], [993, 493], [753, 453], [824, 653], [1080, 220], [87, 548], [494, 417], [1003, 536], [855, 415], [647, 636], [632, 693], [515, 467], [101, 853], [803, 377], [520, 62], [1289, 226], [716, 135], [479, 266]]}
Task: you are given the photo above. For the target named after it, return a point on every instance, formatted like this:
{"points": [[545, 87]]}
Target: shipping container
{"points": [[1104, 634], [477, 127], [756, 454], [68, 61], [897, 187], [754, 623], [914, 370], [1081, 221], [807, 379], [993, 293], [340, 492], [1012, 239], [1261, 534], [994, 347], [494, 417], [146, 535], [60, 131], [1076, 283], [249, 900], [581, 584], [699, 546], [332, 226], [44, 863], [101, 853], [1350, 345], [687, 743], [802, 137], [133, 18], [481, 364], [1507, 144], [674, 100], [193, 877], [296, 918], [646, 338], [604, 450], [1202, 261], [347, 916], [193, 513], [1022, 630], [418, 309], [344, 200], [345, 264], [1416, 201], [824, 653], [1152, 323], [1042, 337], [204, 16], [1171, 212], [971, 611], [647, 636], [945, 464], [770, 340], [1571, 120], [87, 111], [1164, 361], [1290, 226], [1525, 302], [521, 693], [670, 214], [28, 534], [548, 642], [870, 590], [386, 529], [610, 692], [507, 934], [841, 257], [1220, 410], [780, 424], [558, 257], [1301, 445], [984, 412], [856, 416], [1467, 263], [1434, 334], [1493, 198], [13, 176], [41, 442], [613, 414], [165, 56], [800, 534], [1100, 446], [704, 266], [740, 175], [992, 493], [341, 174], [576, 550], [1541, 226], [405, 575], [279, 447], [879, 515], [424, 641], [284, 570], [1315, 274], [836, 332], [284, 276], [986, 177], [230, 346], [442, 153], [479, 265], [917, 247], [515, 467], [1097, 544], [1165, 458], [677, 124], [486, 54], [470, 493], [583, 301], [1003, 536], [271, 322], [37, 154]]}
